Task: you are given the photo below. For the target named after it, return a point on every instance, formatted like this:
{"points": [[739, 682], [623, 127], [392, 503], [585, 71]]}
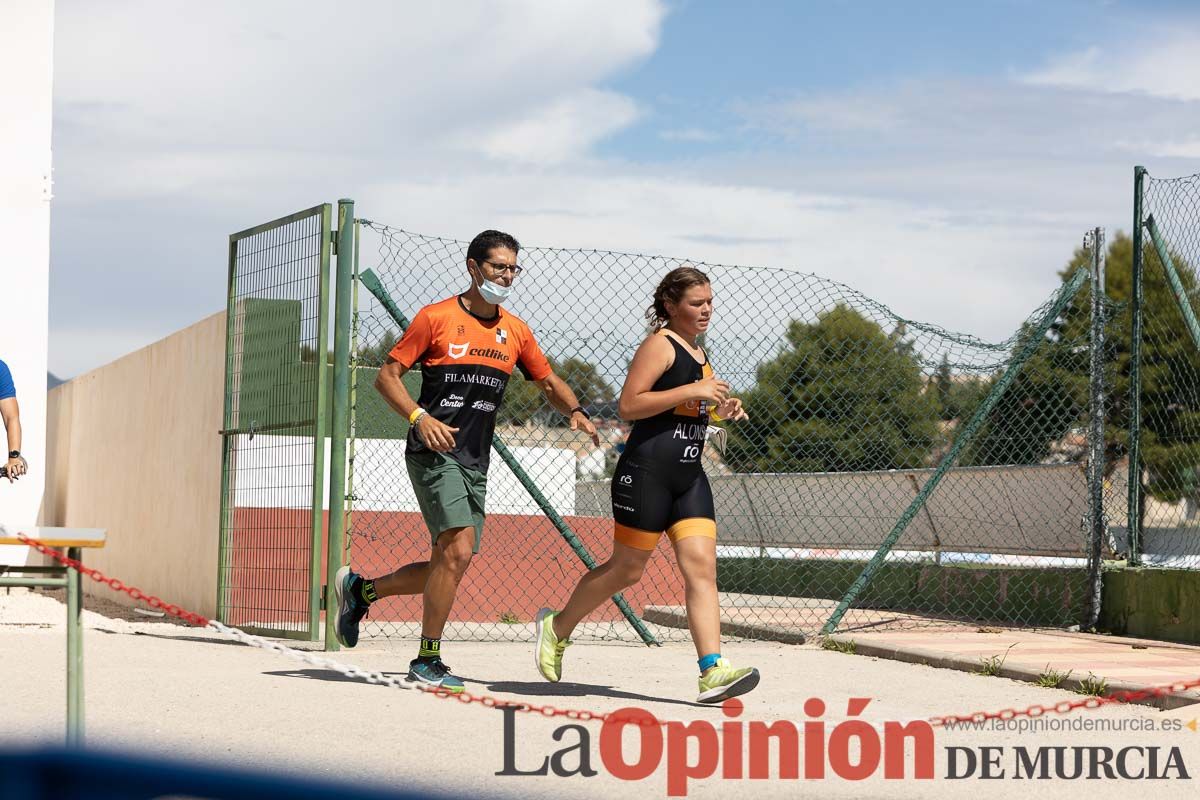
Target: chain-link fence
{"points": [[968, 459], [1166, 531]]}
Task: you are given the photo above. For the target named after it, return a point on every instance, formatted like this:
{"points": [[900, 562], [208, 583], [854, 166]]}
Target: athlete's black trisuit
{"points": [[659, 479]]}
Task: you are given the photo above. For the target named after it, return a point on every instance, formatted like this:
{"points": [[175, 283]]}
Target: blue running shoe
{"points": [[434, 673], [351, 610]]}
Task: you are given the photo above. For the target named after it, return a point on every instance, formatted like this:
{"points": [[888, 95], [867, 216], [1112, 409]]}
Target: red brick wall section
{"points": [[523, 564]]}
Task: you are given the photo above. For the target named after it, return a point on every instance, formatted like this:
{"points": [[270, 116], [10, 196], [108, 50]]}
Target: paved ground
{"points": [[1123, 664], [161, 688]]}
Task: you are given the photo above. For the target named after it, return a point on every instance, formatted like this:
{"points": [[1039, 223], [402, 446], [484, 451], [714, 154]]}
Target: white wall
{"points": [[26, 100], [276, 471]]}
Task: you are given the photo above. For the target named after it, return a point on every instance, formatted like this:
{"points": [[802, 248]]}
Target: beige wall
{"points": [[133, 447]]}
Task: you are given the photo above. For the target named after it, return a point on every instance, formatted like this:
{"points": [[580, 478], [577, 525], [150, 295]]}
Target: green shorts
{"points": [[449, 494]]}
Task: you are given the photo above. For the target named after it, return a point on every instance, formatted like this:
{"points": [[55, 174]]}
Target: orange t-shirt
{"points": [[465, 365]]}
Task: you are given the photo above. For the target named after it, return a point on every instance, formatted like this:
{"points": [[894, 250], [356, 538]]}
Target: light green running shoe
{"points": [[549, 651], [725, 681]]}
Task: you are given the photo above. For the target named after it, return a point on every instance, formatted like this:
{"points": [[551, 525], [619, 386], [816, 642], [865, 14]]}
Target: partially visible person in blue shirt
{"points": [[15, 465]]}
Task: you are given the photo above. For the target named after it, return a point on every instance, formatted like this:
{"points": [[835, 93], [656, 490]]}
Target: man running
{"points": [[467, 346]]}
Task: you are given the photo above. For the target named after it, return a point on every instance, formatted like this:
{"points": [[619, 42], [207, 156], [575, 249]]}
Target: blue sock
{"points": [[708, 662]]}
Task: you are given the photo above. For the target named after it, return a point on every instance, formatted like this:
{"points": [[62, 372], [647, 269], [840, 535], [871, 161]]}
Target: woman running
{"points": [[659, 485]]}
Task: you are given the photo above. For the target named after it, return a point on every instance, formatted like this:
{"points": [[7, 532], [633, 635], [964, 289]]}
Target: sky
{"points": [[944, 158]]}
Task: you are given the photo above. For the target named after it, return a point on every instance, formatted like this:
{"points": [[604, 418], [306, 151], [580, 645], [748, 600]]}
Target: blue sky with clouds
{"points": [[944, 157], [715, 57]]}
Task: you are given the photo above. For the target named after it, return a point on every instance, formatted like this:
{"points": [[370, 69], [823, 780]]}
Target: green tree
{"points": [[1170, 369], [1050, 396], [523, 399], [373, 350], [966, 393], [957, 395], [585, 380], [1046, 399], [842, 395], [943, 384]]}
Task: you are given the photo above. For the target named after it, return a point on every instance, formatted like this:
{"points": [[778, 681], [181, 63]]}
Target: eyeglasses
{"points": [[502, 268]]}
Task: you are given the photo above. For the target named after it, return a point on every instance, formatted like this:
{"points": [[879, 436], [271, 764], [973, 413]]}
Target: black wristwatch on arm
{"points": [[581, 411], [14, 453]]}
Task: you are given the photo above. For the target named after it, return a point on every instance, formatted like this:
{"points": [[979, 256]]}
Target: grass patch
{"points": [[1052, 678], [510, 618], [993, 664], [1092, 685], [838, 646]]}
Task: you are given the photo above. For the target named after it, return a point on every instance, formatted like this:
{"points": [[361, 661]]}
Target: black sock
{"points": [[364, 590], [431, 649]]}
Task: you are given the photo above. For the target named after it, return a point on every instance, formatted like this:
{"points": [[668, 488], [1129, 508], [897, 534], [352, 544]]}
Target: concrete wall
{"points": [[1152, 603], [134, 448], [26, 91], [1034, 510]]}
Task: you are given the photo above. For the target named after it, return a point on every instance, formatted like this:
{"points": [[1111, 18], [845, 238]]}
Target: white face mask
{"points": [[494, 293]]}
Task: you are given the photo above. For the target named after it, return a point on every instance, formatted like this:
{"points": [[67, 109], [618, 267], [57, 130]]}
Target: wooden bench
{"points": [[55, 576]]}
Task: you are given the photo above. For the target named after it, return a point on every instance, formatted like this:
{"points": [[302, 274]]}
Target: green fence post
{"points": [[1097, 527], [375, 287], [320, 431], [1134, 513], [74, 653], [341, 413], [1185, 305], [352, 424], [225, 520], [1031, 344]]}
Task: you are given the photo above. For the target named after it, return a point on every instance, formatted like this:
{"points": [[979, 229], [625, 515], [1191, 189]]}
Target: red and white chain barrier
{"points": [[372, 676]]}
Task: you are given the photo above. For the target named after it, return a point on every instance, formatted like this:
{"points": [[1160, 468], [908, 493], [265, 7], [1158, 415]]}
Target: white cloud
{"points": [[177, 122], [1179, 148], [689, 135], [985, 151], [564, 130], [951, 201], [1158, 62], [276, 82], [984, 278]]}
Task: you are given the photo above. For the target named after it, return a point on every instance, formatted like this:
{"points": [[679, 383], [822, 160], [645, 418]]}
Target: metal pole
{"points": [[320, 429], [352, 424], [371, 281], [74, 654], [228, 454], [341, 413], [1096, 435], [969, 430], [1181, 295], [1134, 512]]}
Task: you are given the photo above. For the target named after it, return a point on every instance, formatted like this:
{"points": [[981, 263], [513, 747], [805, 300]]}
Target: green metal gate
{"points": [[274, 434]]}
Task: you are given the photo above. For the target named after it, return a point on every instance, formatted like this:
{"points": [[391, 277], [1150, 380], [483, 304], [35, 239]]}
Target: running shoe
{"points": [[434, 673], [549, 650], [725, 681], [351, 609]]}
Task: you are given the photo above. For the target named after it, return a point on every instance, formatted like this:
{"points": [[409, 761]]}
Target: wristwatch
{"points": [[14, 453], [581, 411]]}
